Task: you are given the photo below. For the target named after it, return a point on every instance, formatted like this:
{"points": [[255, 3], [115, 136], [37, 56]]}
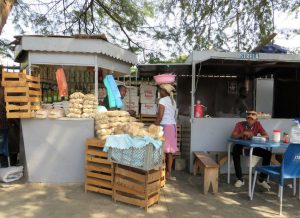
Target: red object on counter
{"points": [[198, 110]]}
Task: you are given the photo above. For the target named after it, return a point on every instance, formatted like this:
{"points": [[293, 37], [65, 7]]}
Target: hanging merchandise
{"points": [[115, 91], [111, 98], [61, 82]]}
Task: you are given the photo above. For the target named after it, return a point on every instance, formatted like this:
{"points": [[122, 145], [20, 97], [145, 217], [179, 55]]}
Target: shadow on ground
{"points": [[181, 198]]}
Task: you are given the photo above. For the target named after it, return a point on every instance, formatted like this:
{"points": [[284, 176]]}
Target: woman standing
{"points": [[166, 117]]}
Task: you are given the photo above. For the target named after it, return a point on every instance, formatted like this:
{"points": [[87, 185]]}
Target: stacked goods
{"points": [[41, 114], [148, 99], [75, 105], [102, 126], [56, 113], [131, 99], [110, 122], [22, 94], [50, 113], [90, 104], [99, 170], [136, 187]]}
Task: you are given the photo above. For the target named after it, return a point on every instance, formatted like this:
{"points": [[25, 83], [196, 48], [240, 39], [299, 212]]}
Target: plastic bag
{"points": [[61, 82]]}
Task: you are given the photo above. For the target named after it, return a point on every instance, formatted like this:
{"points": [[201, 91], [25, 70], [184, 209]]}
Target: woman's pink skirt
{"points": [[170, 135]]}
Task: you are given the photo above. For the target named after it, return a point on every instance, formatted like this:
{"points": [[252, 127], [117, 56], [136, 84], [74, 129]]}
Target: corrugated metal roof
{"points": [[72, 44]]}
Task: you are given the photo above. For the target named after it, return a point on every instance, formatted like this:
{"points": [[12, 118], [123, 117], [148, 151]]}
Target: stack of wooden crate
{"points": [[163, 174], [178, 153], [136, 187], [147, 119], [22, 94], [99, 170]]}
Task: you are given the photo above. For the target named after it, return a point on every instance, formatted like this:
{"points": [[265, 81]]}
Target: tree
{"points": [[224, 24], [158, 29], [5, 8]]}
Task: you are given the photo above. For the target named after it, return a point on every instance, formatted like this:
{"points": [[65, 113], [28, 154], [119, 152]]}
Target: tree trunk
{"points": [[5, 8]]}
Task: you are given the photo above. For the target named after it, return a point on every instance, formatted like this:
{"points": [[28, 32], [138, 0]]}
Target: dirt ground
{"points": [[181, 198]]}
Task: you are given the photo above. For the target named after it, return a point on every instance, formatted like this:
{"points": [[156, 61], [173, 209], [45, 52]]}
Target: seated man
{"points": [[245, 130]]}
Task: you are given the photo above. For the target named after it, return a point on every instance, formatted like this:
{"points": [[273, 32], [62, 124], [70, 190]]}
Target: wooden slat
{"points": [[153, 187], [16, 99], [154, 176], [98, 182], [99, 176], [99, 168], [121, 188], [97, 160], [19, 115], [32, 78], [6, 75], [13, 83], [130, 174], [99, 190], [137, 202], [129, 184], [97, 153], [94, 142], [34, 99], [154, 199], [34, 85], [17, 107], [34, 92], [16, 90]]}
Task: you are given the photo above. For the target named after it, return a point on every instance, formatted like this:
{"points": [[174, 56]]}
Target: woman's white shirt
{"points": [[169, 116]]}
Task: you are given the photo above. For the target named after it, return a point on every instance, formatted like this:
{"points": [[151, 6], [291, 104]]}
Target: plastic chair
{"points": [[4, 143], [289, 169]]}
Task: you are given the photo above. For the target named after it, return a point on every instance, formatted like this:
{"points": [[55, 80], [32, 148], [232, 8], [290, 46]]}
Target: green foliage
{"points": [[159, 31]]}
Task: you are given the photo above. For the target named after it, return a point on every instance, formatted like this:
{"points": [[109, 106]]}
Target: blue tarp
{"points": [[273, 48]]}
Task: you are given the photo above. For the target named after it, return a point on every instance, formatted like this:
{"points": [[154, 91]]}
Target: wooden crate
{"points": [[163, 174], [21, 102], [147, 119], [178, 153], [99, 170], [136, 187], [19, 110], [13, 79], [22, 94]]}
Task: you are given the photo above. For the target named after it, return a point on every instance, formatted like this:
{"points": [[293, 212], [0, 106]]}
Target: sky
{"points": [[281, 21]]}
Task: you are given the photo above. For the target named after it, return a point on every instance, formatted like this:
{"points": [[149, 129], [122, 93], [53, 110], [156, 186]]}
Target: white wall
{"points": [[55, 149], [211, 134]]}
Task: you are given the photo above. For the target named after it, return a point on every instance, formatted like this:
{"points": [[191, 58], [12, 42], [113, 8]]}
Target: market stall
{"points": [[215, 78], [54, 146], [236, 69]]}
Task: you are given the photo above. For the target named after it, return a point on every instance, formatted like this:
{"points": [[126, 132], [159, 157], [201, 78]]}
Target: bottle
{"points": [[285, 138], [198, 111], [295, 133], [276, 135]]}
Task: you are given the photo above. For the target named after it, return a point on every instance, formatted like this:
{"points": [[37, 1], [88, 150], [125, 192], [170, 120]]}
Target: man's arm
{"points": [[160, 113], [263, 132]]}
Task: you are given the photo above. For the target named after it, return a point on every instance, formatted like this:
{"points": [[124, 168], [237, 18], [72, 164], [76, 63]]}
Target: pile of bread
{"points": [[49, 113], [120, 122], [90, 104], [82, 105]]}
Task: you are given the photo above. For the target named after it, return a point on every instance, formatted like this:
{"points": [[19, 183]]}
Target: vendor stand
{"points": [[53, 147], [211, 134], [215, 77]]}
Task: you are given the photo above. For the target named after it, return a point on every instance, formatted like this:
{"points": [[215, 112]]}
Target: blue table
{"points": [[251, 145]]}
